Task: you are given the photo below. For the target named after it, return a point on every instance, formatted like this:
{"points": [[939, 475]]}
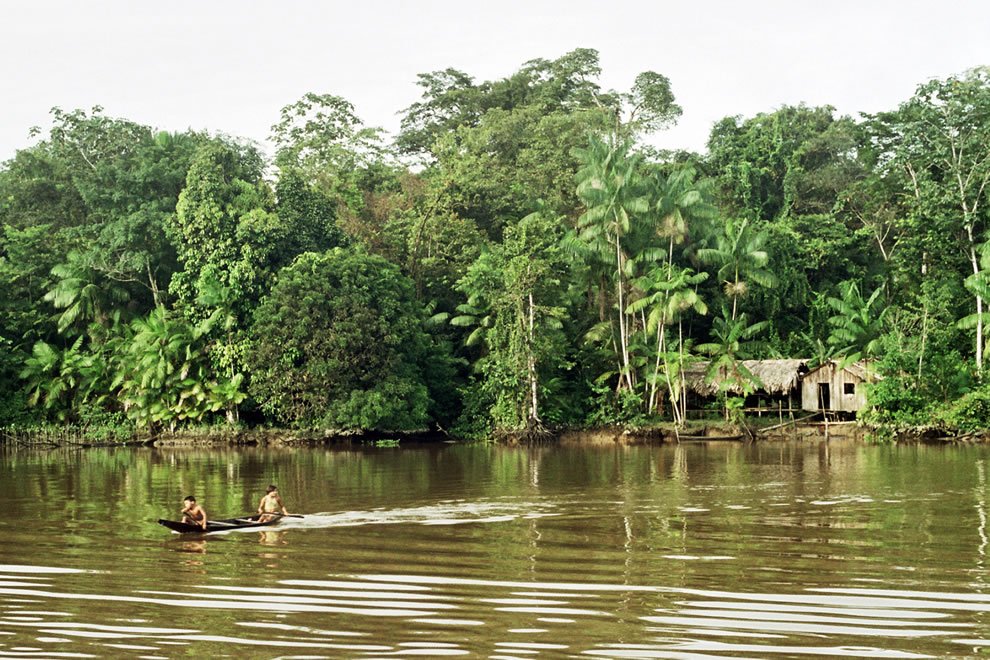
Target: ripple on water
{"points": [[620, 553], [694, 622]]}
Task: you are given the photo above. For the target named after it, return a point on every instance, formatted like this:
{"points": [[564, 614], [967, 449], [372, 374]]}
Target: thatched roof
{"points": [[777, 376]]}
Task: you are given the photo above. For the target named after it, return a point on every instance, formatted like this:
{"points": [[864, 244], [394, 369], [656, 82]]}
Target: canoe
{"points": [[710, 438], [219, 525]]}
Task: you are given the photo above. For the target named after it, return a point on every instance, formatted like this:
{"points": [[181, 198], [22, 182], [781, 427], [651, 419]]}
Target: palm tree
{"points": [[477, 284], [613, 194], [60, 380], [81, 298], [740, 257], [820, 352], [164, 372], [476, 312], [733, 342], [678, 203], [670, 291], [858, 323], [594, 262]]}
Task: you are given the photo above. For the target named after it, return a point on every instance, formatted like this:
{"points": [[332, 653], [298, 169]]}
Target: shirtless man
{"points": [[193, 513], [270, 504]]}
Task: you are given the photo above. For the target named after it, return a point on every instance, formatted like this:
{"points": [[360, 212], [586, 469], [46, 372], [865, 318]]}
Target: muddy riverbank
{"points": [[697, 431]]}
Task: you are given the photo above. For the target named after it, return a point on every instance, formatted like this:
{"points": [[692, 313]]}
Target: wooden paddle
{"points": [[281, 515], [277, 515]]}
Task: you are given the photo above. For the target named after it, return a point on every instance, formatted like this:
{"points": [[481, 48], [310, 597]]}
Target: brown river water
{"points": [[693, 551]]}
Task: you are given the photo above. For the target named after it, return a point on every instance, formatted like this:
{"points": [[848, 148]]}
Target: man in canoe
{"points": [[193, 513], [270, 504]]}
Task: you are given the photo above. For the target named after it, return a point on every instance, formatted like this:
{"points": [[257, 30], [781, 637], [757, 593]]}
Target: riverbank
{"points": [[694, 431], [208, 437], [755, 430]]}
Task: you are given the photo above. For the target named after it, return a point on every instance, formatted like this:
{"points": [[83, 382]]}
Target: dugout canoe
{"points": [[710, 438], [220, 525]]}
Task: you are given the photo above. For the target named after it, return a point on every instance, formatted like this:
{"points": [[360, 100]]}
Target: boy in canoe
{"points": [[193, 513], [270, 504]]}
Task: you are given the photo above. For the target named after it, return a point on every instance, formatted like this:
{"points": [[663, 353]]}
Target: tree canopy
{"points": [[516, 259]]}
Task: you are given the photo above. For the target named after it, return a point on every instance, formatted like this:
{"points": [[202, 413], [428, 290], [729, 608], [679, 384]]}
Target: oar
{"points": [[281, 515], [277, 515]]}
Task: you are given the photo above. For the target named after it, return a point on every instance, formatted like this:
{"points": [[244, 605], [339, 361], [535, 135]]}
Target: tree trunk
{"points": [[680, 372], [735, 294], [534, 414], [153, 284], [622, 317], [924, 333], [656, 372], [670, 388], [979, 306]]}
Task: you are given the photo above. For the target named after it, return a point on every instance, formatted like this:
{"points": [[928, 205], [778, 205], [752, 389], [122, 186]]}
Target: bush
{"points": [[339, 343], [969, 413], [611, 408], [896, 401]]}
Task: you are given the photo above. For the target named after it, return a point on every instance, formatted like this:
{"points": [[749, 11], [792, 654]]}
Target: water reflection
{"points": [[272, 537], [610, 552], [198, 547]]}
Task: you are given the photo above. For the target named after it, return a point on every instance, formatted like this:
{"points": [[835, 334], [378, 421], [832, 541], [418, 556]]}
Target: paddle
{"points": [[253, 518], [281, 515]]}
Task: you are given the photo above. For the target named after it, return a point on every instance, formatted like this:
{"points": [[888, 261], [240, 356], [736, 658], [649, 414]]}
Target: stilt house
{"points": [[791, 385], [828, 387], [780, 381]]}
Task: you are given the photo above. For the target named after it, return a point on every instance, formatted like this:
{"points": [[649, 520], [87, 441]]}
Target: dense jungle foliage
{"points": [[517, 258]]}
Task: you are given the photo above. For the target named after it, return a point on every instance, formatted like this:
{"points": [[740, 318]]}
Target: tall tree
{"points": [[452, 98], [320, 137], [648, 107], [612, 190], [223, 228], [678, 205], [527, 276], [669, 291], [129, 177], [940, 140], [740, 258]]}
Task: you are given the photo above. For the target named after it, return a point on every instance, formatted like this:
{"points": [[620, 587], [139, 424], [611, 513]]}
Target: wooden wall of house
{"points": [[837, 380]]}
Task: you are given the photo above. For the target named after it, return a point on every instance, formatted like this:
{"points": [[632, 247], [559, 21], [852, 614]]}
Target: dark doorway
{"points": [[824, 401]]}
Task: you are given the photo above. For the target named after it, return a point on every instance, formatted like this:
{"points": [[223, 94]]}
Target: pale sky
{"points": [[229, 66]]}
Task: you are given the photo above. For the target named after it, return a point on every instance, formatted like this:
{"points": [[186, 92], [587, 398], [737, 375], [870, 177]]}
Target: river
{"points": [[779, 550]]}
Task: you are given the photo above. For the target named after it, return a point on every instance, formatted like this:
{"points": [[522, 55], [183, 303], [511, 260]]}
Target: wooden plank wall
{"points": [[837, 380]]}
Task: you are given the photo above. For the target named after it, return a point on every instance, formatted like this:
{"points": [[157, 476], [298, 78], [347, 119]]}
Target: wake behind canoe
{"points": [[220, 525]]}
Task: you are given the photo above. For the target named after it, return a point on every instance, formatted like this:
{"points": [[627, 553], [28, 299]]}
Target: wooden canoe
{"points": [[220, 525], [710, 438]]}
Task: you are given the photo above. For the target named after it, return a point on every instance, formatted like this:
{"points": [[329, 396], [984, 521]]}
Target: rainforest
{"points": [[517, 259]]}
